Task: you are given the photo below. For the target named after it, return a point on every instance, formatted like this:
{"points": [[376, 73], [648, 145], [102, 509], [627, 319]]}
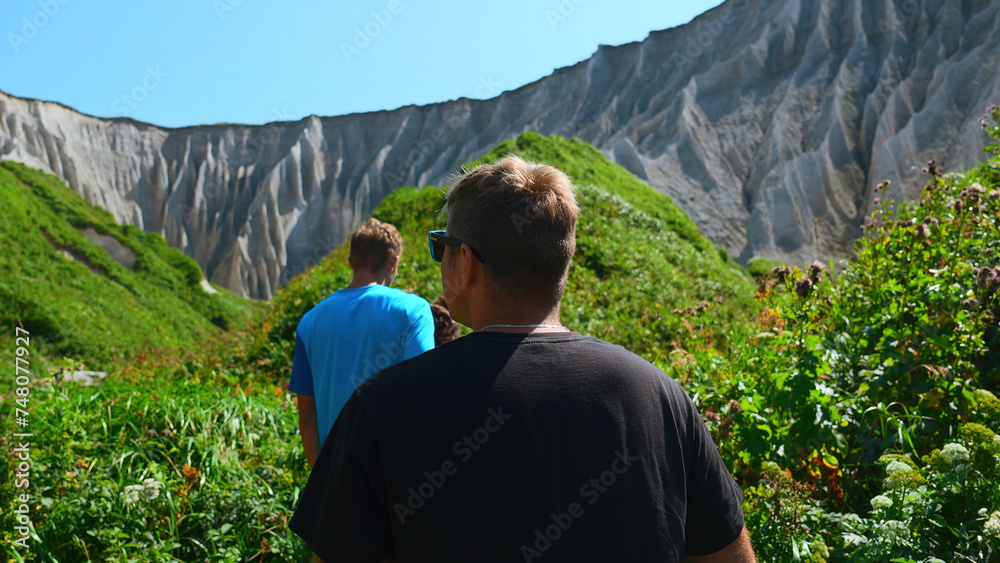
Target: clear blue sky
{"points": [[189, 62]]}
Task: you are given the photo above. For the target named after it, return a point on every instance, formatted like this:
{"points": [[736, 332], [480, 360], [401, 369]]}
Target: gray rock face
{"points": [[769, 122]]}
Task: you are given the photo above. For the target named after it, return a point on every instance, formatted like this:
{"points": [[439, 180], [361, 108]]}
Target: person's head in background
{"points": [[376, 248], [517, 220], [445, 327]]}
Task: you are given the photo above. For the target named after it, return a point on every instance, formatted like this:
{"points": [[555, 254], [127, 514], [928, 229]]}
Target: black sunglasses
{"points": [[439, 240]]}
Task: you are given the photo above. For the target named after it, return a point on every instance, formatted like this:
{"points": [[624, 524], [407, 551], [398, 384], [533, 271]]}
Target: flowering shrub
{"points": [[941, 506], [873, 387], [785, 521], [147, 491]]}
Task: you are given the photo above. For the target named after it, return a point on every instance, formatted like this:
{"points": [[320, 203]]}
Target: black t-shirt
{"points": [[519, 447]]}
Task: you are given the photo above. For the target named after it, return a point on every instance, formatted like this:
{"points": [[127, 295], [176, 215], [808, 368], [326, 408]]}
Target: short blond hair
{"points": [[521, 217], [373, 245]]}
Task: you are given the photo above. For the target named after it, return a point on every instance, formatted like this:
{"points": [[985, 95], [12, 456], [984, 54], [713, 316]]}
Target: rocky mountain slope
{"points": [[769, 122]]}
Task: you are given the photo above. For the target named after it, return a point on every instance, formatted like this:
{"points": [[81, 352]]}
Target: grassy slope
{"points": [[638, 258], [73, 312]]}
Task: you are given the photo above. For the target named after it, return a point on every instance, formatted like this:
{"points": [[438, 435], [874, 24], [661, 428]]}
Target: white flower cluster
{"points": [[956, 453], [148, 490], [881, 501], [896, 466], [992, 527], [898, 474]]}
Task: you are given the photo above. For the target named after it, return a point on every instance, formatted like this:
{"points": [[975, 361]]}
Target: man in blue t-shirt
{"points": [[356, 332]]}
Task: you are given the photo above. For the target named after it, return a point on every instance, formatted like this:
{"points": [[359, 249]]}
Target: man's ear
{"points": [[462, 266], [451, 285], [392, 270], [472, 268]]}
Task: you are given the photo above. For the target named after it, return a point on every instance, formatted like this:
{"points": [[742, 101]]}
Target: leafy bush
{"points": [[896, 354]]}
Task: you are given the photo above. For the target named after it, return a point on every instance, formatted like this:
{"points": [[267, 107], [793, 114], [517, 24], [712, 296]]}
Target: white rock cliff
{"points": [[769, 122]]}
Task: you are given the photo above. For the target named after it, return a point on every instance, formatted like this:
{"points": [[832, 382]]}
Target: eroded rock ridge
{"points": [[769, 122]]}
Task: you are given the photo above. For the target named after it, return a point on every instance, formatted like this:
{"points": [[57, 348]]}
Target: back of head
{"points": [[521, 217], [374, 244]]}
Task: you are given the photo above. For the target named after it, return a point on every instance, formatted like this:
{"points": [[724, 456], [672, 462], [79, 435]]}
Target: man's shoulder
{"points": [[616, 354], [397, 298], [380, 292], [312, 314], [410, 300], [602, 359], [576, 348], [423, 370], [426, 364]]}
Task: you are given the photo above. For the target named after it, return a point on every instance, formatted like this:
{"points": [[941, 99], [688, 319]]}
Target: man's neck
{"points": [[522, 319], [364, 278]]}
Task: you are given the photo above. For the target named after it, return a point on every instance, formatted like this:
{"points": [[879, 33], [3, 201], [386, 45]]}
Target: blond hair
{"points": [[521, 217], [373, 245]]}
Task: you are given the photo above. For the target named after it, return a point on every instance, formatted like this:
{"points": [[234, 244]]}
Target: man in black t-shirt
{"points": [[522, 441]]}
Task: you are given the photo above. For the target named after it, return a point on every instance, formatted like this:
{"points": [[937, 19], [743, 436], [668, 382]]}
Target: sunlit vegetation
{"points": [[857, 409]]}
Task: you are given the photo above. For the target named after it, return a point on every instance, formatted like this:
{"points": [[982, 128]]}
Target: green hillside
{"points": [[638, 259], [77, 302], [858, 411]]}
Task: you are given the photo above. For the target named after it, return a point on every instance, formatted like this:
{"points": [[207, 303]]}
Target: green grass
{"points": [[225, 463], [859, 414], [95, 310], [585, 165], [220, 409], [762, 266]]}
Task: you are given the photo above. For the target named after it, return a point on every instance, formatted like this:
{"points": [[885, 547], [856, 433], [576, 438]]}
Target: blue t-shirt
{"points": [[351, 335]]}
